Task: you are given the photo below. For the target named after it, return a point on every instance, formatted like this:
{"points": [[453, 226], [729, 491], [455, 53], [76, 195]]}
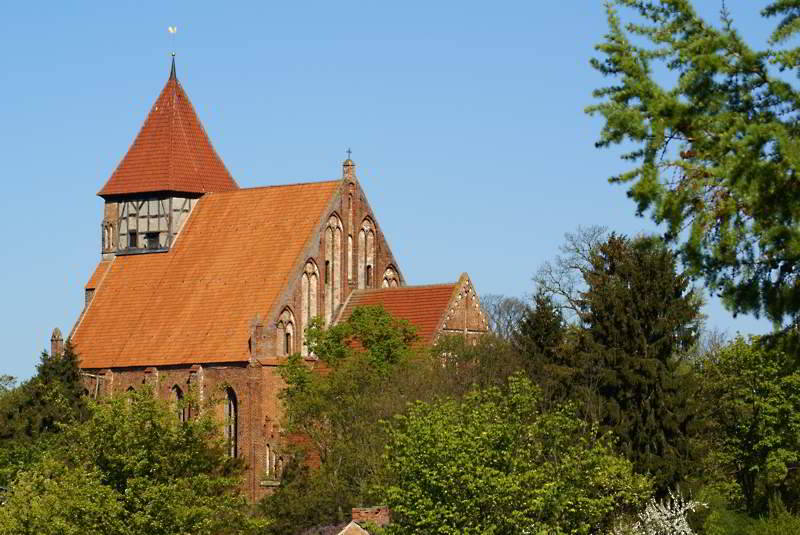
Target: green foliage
{"points": [[151, 473], [723, 521], [756, 398], [715, 153], [639, 314], [32, 413], [335, 405], [495, 463], [338, 403]]}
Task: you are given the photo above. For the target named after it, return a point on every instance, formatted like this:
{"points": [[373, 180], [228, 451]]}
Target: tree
{"points": [[495, 463], [639, 315], [755, 392], [504, 314], [563, 279], [716, 153], [131, 468], [332, 416], [34, 412]]}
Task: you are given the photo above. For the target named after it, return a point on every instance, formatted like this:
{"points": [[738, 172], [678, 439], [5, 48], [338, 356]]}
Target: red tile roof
{"points": [[98, 274], [194, 303], [423, 306], [171, 152]]}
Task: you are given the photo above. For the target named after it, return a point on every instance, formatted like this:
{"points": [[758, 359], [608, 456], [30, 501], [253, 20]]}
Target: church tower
{"points": [[170, 164]]}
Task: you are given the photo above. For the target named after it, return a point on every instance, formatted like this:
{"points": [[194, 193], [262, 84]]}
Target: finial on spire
{"points": [[349, 167], [172, 74], [172, 31]]}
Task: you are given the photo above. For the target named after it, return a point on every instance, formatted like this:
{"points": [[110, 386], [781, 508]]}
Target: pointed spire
{"points": [[172, 75], [171, 152]]}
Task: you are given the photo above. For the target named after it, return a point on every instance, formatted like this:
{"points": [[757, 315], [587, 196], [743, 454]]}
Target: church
{"points": [[206, 287]]}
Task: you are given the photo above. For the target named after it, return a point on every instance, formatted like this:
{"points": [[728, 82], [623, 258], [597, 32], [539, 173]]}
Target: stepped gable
{"points": [[172, 152], [195, 302], [423, 306]]}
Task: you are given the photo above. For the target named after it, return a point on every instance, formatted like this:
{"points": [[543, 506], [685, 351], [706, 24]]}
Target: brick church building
{"points": [[204, 286]]}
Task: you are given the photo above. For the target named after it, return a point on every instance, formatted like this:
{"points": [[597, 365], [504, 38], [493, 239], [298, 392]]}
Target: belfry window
{"points": [[152, 240]]}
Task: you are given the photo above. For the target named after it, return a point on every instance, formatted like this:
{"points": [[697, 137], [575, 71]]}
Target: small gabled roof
{"points": [[423, 306], [194, 303], [353, 529], [172, 152]]}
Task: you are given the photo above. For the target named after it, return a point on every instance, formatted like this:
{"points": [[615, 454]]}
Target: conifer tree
{"points": [[639, 314], [716, 153]]}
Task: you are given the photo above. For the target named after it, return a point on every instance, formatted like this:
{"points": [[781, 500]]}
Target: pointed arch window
{"points": [[308, 285], [181, 410], [366, 254], [333, 257], [231, 422], [390, 278], [285, 333]]}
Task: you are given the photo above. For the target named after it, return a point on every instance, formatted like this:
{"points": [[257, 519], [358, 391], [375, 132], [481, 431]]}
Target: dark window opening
{"points": [[287, 344], [231, 423], [152, 240], [369, 275], [327, 272], [133, 242], [180, 407]]}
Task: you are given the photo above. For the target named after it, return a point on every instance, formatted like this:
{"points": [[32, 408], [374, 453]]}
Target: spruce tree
{"points": [[639, 315]]}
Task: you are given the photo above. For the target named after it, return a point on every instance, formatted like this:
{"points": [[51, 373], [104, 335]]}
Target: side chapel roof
{"points": [[426, 307], [172, 152], [194, 303]]}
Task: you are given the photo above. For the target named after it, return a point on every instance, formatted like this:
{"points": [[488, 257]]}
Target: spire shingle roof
{"points": [[172, 152]]}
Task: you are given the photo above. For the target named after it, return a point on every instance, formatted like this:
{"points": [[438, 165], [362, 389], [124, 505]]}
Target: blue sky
{"points": [[465, 119]]}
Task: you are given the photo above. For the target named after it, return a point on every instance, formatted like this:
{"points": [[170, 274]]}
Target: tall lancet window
{"points": [[284, 343], [350, 260], [333, 270], [366, 254], [308, 285], [231, 422]]}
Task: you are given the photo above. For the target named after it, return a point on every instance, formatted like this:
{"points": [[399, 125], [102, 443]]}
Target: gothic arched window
{"points": [[308, 292], [284, 344], [181, 410], [390, 278], [366, 253], [333, 256], [231, 422]]}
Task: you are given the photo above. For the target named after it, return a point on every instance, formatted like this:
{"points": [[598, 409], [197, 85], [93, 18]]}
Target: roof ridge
{"points": [[407, 287], [317, 183]]}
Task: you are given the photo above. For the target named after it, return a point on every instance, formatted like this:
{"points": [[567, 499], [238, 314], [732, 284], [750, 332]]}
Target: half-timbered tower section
{"points": [[169, 166], [204, 288]]}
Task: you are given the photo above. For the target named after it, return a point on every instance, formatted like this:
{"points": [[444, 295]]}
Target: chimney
{"points": [[56, 342], [256, 338], [379, 515]]}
